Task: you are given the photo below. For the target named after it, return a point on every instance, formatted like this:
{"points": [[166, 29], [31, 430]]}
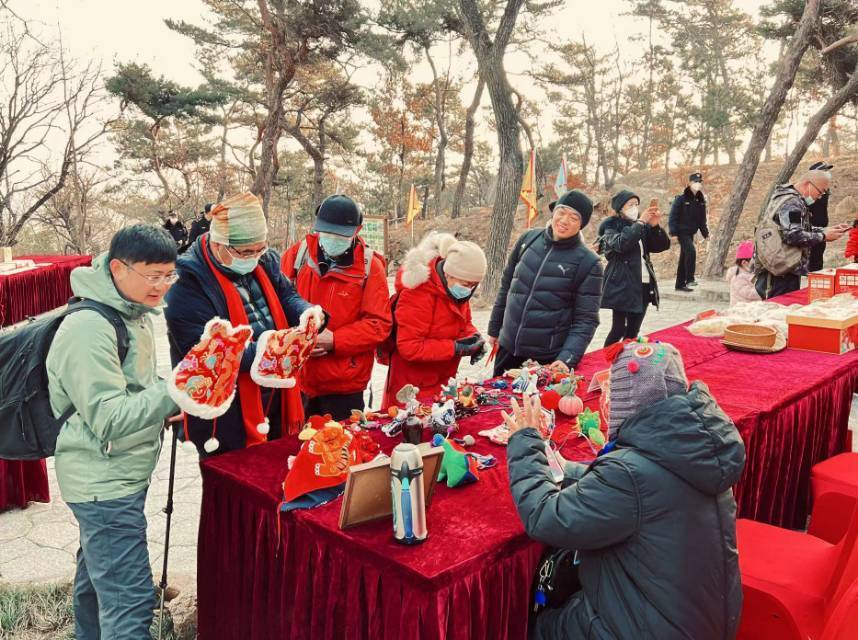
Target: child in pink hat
{"points": [[740, 277]]}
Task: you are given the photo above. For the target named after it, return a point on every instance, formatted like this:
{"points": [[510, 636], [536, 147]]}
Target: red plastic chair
{"points": [[838, 474], [764, 617], [803, 574]]}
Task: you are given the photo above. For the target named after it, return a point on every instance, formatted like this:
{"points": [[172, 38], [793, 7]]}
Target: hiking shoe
{"points": [[684, 289], [693, 283]]}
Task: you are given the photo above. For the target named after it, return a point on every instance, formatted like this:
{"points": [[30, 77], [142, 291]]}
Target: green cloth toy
{"points": [[589, 423], [458, 467]]}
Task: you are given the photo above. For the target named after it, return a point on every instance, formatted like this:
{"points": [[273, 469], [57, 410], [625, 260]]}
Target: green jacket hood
{"points": [[96, 283], [689, 435]]}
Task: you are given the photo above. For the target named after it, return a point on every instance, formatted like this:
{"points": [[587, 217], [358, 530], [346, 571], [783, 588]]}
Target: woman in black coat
{"points": [[629, 286]]}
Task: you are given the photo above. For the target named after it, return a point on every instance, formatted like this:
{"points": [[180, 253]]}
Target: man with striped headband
{"points": [[232, 273]]}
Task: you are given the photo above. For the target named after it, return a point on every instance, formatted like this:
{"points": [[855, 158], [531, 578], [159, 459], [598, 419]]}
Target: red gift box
{"points": [[827, 335], [846, 279], [821, 284]]}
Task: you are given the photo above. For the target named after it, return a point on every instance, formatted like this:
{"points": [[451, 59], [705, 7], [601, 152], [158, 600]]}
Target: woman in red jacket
{"points": [[433, 318]]}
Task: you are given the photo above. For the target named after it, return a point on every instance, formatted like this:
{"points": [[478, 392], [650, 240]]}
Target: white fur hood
{"points": [[415, 267]]}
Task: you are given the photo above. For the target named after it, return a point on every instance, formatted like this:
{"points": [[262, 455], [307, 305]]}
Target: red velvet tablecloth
{"points": [[472, 577], [36, 291], [22, 295]]}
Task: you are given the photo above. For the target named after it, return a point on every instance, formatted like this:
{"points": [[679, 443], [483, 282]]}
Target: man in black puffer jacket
{"points": [[547, 308], [653, 518]]}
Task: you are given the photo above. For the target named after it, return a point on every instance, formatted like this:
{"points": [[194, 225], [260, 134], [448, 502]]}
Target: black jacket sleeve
{"points": [[703, 223], [598, 510], [673, 218], [622, 238], [496, 319], [585, 315], [187, 312], [293, 304], [657, 240]]}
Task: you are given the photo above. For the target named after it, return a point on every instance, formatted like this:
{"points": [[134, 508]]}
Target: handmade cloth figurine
{"points": [[589, 424], [203, 383], [467, 398], [322, 462], [569, 403], [458, 467], [443, 417], [280, 354], [451, 389]]}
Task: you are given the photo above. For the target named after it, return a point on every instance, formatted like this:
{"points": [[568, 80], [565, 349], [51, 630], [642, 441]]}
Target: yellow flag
{"points": [[528, 193], [413, 206]]}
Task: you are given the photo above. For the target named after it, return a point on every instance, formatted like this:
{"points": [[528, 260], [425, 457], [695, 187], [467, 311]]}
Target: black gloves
{"points": [[469, 346]]}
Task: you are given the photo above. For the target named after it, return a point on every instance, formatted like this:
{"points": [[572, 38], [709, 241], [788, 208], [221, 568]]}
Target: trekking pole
{"points": [[169, 511]]}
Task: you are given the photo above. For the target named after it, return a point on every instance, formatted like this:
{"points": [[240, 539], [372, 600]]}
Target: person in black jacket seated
{"points": [[231, 273], [547, 308], [652, 519], [819, 218], [627, 239], [201, 225], [687, 217]]}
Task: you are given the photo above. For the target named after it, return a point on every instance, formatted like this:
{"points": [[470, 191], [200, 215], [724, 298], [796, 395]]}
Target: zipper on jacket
{"points": [[529, 296]]}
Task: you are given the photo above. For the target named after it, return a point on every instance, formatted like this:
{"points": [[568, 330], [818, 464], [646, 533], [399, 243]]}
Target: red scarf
{"points": [[252, 412]]}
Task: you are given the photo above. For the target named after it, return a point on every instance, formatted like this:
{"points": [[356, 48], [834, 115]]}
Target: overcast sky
{"points": [[111, 31]]}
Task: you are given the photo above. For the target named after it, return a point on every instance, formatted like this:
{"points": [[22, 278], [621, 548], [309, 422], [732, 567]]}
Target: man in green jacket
{"points": [[107, 450]]}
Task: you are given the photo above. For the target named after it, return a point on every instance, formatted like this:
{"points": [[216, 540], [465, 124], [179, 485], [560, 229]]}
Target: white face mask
{"points": [[696, 187], [632, 213]]}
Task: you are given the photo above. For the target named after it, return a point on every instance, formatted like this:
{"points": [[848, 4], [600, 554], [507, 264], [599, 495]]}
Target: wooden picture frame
{"points": [[367, 495]]}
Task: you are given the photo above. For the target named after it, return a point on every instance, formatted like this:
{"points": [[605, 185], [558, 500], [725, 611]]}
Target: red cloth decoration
{"points": [[249, 393], [322, 462], [23, 481]]}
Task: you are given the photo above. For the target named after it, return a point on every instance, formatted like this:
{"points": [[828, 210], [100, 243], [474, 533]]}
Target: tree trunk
{"points": [[470, 123], [440, 114], [836, 102], [490, 62], [270, 139], [723, 234]]}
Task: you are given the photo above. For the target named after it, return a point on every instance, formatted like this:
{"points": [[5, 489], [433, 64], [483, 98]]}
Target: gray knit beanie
{"points": [[643, 374]]}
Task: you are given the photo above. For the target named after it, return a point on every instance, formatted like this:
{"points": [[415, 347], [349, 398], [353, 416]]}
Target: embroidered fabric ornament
{"points": [[458, 467], [203, 383], [281, 354], [322, 462]]}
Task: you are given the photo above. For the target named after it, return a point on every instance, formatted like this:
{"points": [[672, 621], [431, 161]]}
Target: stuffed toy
{"points": [[443, 417], [568, 402], [281, 354], [466, 397], [450, 390], [203, 383], [589, 424], [458, 467], [323, 460]]}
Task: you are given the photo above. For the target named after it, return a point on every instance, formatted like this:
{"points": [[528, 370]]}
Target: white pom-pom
{"points": [[468, 440], [288, 383], [263, 427], [189, 446], [211, 445]]}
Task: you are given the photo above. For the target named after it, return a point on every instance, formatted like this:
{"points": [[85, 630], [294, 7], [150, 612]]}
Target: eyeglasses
{"points": [[818, 190], [249, 253], [155, 281]]}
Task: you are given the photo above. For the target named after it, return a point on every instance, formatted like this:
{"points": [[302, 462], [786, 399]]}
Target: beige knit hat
{"points": [[846, 207], [238, 220], [466, 261]]}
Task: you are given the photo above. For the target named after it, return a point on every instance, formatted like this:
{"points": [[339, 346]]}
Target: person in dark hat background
{"points": [[687, 217], [547, 307], [333, 267], [201, 224], [629, 286], [819, 218]]}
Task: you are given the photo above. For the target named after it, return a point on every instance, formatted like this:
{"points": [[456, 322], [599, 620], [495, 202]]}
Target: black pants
{"points": [[628, 325], [339, 406], [769, 286], [817, 254], [505, 360], [687, 261]]}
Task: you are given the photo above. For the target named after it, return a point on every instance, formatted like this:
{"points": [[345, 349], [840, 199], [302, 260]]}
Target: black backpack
{"points": [[28, 429]]}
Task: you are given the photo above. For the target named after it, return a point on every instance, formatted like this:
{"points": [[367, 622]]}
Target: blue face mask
{"points": [[334, 245], [242, 266], [460, 292], [809, 200]]}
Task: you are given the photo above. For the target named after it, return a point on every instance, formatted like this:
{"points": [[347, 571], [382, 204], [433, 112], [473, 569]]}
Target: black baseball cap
{"points": [[822, 165], [696, 177], [338, 214]]}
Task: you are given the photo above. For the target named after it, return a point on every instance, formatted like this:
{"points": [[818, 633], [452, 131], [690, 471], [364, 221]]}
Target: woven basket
{"points": [[750, 335]]}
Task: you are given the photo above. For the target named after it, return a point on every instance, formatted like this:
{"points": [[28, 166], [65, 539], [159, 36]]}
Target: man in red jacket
{"points": [[333, 267]]}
